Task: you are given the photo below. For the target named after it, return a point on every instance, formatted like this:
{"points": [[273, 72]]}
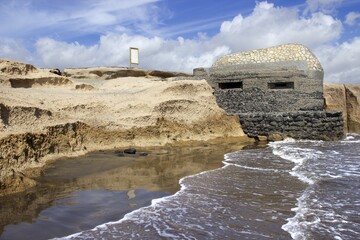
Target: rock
{"points": [[143, 154], [262, 138], [275, 137], [131, 194], [120, 153], [130, 151], [55, 71]]}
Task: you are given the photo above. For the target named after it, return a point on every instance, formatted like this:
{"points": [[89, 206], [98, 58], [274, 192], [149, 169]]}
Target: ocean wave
{"points": [[190, 212], [252, 168], [299, 156], [331, 170], [297, 225]]}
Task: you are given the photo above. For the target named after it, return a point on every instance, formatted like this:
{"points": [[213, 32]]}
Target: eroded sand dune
{"points": [[44, 115]]}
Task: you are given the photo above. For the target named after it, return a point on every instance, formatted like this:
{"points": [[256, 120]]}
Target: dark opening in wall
{"points": [[281, 85], [230, 85]]}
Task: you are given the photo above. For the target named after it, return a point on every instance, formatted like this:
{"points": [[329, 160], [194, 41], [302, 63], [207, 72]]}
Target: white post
{"points": [[134, 56]]}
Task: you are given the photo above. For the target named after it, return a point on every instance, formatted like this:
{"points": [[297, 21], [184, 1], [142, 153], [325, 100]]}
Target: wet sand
{"points": [[80, 193]]}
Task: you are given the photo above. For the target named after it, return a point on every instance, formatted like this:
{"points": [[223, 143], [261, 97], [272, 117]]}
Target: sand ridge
{"points": [[44, 115]]}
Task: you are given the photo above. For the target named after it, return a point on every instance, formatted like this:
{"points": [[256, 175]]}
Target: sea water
{"points": [[292, 189]]}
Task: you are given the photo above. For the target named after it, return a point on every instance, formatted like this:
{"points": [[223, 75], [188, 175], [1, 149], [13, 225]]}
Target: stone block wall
{"points": [[315, 125], [255, 100]]}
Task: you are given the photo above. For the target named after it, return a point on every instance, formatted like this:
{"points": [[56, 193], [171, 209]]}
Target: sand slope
{"points": [[44, 115]]}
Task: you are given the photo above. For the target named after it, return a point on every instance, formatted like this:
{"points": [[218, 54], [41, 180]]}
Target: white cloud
{"points": [[54, 53], [341, 62], [326, 6], [14, 49], [113, 50], [26, 17], [266, 26], [352, 17]]}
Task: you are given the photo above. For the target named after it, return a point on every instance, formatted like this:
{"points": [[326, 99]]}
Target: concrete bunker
{"points": [[281, 85], [277, 79]]}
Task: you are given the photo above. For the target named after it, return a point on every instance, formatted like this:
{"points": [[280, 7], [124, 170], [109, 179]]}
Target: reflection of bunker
{"points": [[277, 90], [277, 79]]}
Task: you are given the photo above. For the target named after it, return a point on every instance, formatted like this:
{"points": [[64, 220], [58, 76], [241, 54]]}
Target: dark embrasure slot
{"points": [[281, 85], [231, 85]]}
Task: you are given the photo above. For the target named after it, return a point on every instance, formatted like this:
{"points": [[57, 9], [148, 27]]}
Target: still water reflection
{"points": [[80, 193]]}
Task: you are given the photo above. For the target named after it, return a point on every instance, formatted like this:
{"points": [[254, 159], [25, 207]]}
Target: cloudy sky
{"points": [[178, 34]]}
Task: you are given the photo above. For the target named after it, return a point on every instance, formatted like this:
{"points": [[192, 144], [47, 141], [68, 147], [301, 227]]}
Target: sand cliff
{"points": [[45, 115], [346, 99]]}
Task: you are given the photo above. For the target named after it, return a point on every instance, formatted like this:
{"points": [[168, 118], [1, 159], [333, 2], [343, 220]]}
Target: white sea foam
{"points": [[351, 138], [297, 155], [252, 168], [317, 211], [295, 225]]}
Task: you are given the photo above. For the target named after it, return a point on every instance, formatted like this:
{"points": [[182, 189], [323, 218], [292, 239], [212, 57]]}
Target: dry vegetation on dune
{"points": [[44, 115]]}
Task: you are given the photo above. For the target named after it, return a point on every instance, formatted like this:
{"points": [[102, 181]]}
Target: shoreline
{"points": [[26, 178], [45, 116], [159, 170]]}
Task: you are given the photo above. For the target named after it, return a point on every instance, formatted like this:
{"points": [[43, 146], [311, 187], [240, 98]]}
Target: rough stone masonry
{"points": [[282, 86]]}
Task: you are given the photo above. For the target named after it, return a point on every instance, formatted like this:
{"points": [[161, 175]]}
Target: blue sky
{"points": [[178, 34]]}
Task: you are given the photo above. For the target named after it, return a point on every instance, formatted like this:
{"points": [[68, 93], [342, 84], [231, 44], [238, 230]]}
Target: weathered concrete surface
{"points": [[255, 96], [277, 79], [344, 98]]}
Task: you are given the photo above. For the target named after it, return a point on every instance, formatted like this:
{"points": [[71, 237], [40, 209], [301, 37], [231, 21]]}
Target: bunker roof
{"points": [[276, 54]]}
